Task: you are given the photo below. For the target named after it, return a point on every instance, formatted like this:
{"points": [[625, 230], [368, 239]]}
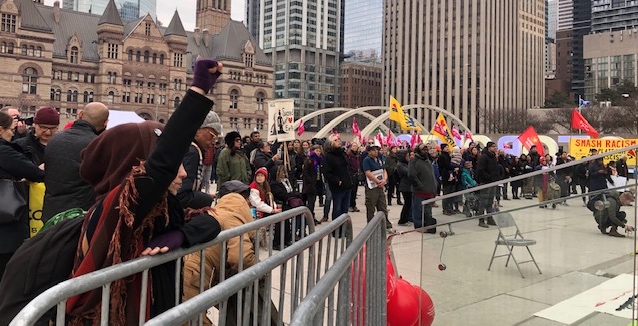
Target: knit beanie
{"points": [[263, 171], [212, 121], [47, 116], [230, 137]]}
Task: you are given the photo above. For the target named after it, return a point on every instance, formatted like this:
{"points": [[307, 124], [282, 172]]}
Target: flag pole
{"points": [[580, 107]]}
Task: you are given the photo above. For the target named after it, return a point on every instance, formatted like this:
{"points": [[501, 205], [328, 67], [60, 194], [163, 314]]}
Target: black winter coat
{"points": [[32, 148], [336, 170], [487, 169], [445, 168], [263, 160], [15, 165], [65, 189], [189, 197], [309, 177]]}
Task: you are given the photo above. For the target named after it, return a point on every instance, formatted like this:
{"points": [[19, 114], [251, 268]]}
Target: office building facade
{"points": [[614, 15], [609, 59], [581, 26], [565, 14], [128, 9], [363, 30], [304, 40], [472, 58]]}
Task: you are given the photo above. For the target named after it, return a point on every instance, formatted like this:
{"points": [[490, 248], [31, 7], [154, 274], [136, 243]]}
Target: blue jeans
{"points": [[340, 203], [421, 216], [327, 200]]}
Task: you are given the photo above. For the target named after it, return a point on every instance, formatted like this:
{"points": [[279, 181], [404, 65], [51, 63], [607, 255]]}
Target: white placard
{"points": [[378, 174], [281, 118], [618, 181]]}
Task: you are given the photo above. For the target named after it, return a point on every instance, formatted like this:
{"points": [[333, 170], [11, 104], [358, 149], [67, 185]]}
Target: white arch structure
{"points": [[317, 113], [376, 122]]}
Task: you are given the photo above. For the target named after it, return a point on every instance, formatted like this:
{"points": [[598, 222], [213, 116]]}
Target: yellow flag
{"points": [[442, 130], [397, 114]]}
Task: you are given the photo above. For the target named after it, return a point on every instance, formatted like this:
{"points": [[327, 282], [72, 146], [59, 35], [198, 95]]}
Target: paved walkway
{"points": [[571, 253]]}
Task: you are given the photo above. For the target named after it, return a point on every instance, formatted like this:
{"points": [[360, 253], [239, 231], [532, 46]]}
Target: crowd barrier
{"points": [[58, 295]]}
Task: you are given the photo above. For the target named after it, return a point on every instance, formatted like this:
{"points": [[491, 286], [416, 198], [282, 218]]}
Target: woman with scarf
{"points": [[260, 195], [136, 213], [310, 176]]}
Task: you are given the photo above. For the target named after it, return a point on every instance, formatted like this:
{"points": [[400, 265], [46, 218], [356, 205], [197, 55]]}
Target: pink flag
{"points": [[388, 139], [355, 127], [468, 135], [413, 141], [301, 128], [455, 133], [380, 137]]}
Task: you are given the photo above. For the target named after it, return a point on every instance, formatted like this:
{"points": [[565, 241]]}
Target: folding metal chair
{"points": [[505, 221]]}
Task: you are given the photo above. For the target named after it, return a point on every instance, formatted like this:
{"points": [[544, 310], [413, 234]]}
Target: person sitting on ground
{"points": [[612, 217], [137, 212], [260, 195], [232, 210]]}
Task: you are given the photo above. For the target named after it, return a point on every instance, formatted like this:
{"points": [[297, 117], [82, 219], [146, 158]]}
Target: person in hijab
{"points": [[137, 212]]}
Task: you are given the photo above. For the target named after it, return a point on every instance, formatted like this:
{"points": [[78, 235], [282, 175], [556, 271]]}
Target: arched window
{"points": [[52, 94], [130, 55], [3, 47], [38, 51], [234, 97], [90, 96], [58, 95], [24, 49], [109, 77], [154, 58], [85, 98], [114, 79], [74, 55], [30, 81], [110, 97], [137, 56], [10, 48], [176, 102], [74, 97], [161, 59], [146, 56], [260, 101], [31, 50], [68, 95]]}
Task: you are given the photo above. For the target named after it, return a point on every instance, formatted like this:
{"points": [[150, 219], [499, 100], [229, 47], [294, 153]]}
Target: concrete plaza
{"points": [[571, 252]]}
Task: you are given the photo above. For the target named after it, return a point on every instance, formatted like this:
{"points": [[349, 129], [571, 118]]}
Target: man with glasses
{"points": [[46, 122], [189, 193], [232, 163]]}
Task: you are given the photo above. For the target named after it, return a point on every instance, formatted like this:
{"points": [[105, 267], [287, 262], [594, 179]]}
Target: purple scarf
{"points": [[316, 161]]}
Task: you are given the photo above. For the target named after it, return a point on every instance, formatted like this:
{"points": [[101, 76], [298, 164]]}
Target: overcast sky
{"points": [[186, 9]]}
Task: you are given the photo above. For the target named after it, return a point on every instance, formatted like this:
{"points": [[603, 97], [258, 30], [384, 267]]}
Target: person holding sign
{"points": [[377, 178]]}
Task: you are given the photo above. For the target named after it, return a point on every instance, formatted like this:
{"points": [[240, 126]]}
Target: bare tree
{"points": [[504, 121]]}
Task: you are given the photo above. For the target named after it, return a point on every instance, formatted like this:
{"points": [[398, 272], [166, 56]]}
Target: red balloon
{"points": [[390, 277], [427, 308], [403, 305]]}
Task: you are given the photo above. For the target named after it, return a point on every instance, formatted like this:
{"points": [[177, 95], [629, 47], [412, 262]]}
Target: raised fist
{"points": [[205, 74]]}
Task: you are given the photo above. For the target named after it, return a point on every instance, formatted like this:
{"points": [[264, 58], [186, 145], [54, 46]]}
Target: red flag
{"points": [[388, 139], [301, 128], [468, 135], [508, 145], [455, 133], [355, 127], [529, 138], [579, 122], [380, 137]]}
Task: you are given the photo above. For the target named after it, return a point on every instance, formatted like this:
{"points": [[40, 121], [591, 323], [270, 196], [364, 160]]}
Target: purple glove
{"points": [[171, 239], [202, 77]]}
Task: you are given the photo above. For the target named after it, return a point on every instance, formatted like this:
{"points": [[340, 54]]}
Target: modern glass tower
{"points": [[363, 30], [129, 9], [304, 40]]}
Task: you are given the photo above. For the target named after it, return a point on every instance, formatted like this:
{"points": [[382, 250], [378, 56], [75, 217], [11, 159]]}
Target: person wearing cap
{"points": [[232, 163], [377, 178], [65, 189], [260, 195], [137, 212], [46, 123], [232, 210], [189, 194], [487, 171]]}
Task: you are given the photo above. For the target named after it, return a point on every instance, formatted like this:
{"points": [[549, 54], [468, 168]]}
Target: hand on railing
{"points": [[163, 243]]}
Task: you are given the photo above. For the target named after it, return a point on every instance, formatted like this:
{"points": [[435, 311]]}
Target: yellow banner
{"points": [[442, 130], [36, 201], [398, 115], [581, 147]]}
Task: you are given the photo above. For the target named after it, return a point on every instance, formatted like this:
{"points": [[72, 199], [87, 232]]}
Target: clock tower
{"points": [[213, 15]]}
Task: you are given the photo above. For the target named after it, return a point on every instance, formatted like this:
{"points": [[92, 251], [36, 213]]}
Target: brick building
{"points": [[65, 59]]}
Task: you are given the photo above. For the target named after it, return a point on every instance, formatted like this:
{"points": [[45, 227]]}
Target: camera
{"points": [[27, 121]]}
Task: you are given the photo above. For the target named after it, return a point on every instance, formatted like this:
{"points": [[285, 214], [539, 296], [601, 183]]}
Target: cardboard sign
{"points": [[281, 118], [581, 147]]}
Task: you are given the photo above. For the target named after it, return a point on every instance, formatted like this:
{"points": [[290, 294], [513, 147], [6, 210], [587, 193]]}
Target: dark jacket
{"points": [[32, 148], [189, 194], [566, 172], [487, 168], [391, 164], [421, 176], [309, 177], [355, 161], [263, 159], [621, 167], [249, 148], [597, 180], [580, 174], [15, 165], [65, 189], [336, 170], [445, 168], [402, 173]]}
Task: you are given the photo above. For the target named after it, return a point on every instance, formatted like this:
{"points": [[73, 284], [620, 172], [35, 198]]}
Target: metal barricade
{"points": [[325, 245], [359, 277], [58, 295]]}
